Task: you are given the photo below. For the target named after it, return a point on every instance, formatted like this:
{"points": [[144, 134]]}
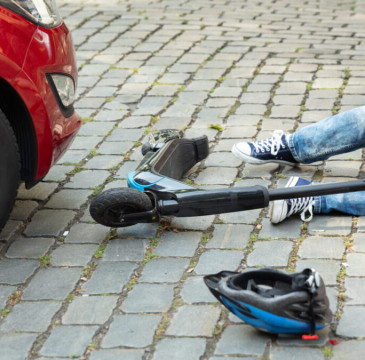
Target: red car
{"points": [[38, 76]]}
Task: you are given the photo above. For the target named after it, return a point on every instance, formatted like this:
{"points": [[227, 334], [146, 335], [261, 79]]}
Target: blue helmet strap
{"points": [[308, 280]]}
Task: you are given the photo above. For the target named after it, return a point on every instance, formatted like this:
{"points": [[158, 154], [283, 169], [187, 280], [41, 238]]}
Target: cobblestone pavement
{"points": [[70, 288]]}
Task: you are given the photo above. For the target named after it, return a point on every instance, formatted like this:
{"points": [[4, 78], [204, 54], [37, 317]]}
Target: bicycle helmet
{"points": [[274, 301]]}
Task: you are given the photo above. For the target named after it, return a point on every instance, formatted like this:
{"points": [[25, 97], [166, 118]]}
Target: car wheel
{"points": [[9, 169]]}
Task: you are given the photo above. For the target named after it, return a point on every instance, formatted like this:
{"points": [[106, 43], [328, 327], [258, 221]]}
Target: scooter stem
{"points": [[317, 190], [219, 201]]}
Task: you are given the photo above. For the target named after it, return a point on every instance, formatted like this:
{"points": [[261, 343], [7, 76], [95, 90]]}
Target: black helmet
{"points": [[274, 301]]}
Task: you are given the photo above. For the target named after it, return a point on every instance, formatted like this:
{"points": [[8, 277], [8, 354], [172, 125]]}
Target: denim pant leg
{"points": [[337, 134], [349, 203]]}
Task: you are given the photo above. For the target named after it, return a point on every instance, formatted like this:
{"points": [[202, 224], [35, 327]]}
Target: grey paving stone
{"points": [[126, 168], [121, 134], [13, 272], [109, 277], [49, 222], [68, 199], [241, 217], [327, 83], [152, 105], [352, 322], [328, 269], [352, 349], [193, 98], [288, 229], [297, 341], [342, 168], [5, 292], [270, 253], [30, 316], [131, 330], [291, 88], [330, 225], [180, 110], [223, 159], [16, 346], [100, 128], [103, 162], [134, 122], [138, 231], [193, 291], [73, 254], [255, 109], [89, 310], [322, 247], [285, 353], [68, 340], [116, 354], [23, 209], [125, 250], [159, 298], [164, 270], [82, 143], [114, 148], [226, 236], [241, 339], [231, 358], [178, 244], [52, 284], [355, 291], [74, 156], [179, 349], [193, 223], [163, 90], [39, 192], [87, 233], [356, 264], [217, 175], [87, 179], [58, 173], [361, 224], [280, 111], [30, 248], [359, 242], [261, 171], [236, 132], [194, 320], [212, 260]]}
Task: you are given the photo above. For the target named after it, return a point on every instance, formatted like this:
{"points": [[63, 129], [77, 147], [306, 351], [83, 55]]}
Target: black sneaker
{"points": [[282, 209], [271, 150]]}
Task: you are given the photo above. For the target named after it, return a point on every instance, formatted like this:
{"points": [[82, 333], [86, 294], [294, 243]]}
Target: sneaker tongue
{"points": [[286, 137]]}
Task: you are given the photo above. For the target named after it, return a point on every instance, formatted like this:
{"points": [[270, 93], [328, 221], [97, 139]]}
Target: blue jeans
{"points": [[335, 135]]}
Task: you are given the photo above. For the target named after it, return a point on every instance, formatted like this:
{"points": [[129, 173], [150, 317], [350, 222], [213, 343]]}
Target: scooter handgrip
{"points": [[208, 202]]}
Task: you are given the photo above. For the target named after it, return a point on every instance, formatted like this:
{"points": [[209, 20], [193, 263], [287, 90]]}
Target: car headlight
{"points": [[40, 12], [63, 88]]}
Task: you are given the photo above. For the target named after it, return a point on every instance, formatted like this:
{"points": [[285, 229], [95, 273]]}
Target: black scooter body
{"points": [[167, 157]]}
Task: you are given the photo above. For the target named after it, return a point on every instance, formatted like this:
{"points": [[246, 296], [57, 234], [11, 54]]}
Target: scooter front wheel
{"points": [[109, 207]]}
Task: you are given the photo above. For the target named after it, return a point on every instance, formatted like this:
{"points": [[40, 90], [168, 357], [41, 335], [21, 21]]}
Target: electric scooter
{"points": [[155, 189]]}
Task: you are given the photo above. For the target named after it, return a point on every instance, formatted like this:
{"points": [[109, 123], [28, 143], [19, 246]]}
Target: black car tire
{"points": [[9, 169]]}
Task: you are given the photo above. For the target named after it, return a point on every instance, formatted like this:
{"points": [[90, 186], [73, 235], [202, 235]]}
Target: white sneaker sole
{"points": [[279, 208], [252, 160]]}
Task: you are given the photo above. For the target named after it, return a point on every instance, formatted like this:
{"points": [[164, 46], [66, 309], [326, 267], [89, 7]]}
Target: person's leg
{"points": [[337, 134], [349, 203]]}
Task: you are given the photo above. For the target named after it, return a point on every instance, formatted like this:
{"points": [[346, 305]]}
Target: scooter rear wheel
{"points": [[108, 207]]}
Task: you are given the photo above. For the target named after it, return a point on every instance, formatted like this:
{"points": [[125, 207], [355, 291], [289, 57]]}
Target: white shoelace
{"points": [[304, 206], [271, 144]]}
